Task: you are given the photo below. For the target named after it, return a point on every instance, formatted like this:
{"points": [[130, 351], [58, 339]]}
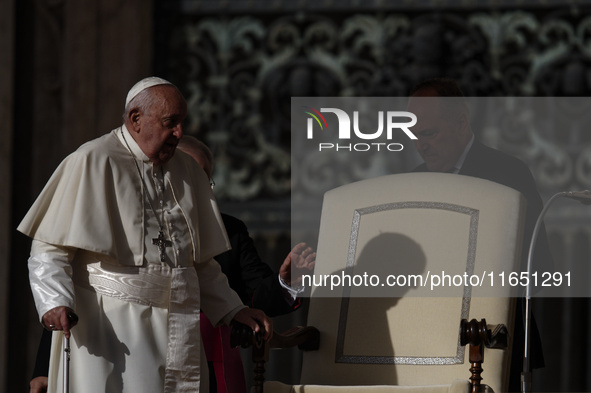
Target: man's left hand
{"points": [[300, 260], [255, 319]]}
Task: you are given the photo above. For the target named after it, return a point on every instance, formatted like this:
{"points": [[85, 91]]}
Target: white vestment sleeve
{"points": [[218, 301], [50, 275]]}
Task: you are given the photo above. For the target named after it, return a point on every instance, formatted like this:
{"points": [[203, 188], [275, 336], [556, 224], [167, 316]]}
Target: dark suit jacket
{"points": [[254, 281], [491, 164]]}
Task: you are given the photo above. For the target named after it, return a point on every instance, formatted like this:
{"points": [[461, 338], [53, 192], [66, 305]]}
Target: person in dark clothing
{"points": [[446, 144]]}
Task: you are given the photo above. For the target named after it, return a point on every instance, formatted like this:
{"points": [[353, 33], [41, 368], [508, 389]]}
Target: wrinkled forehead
{"points": [[168, 97], [168, 92]]}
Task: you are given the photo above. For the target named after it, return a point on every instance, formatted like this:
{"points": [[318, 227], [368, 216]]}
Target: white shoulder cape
{"points": [[94, 201]]}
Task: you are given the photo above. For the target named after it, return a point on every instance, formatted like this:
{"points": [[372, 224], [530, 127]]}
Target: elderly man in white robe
{"points": [[123, 236]]}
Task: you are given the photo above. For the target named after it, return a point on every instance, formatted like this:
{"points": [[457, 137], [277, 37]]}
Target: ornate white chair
{"points": [[409, 333]]}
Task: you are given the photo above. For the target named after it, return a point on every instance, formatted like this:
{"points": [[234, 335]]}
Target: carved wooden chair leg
{"points": [[306, 338], [260, 356], [478, 336], [476, 359], [243, 336]]}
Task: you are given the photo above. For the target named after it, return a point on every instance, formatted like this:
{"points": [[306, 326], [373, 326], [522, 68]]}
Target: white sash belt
{"points": [[149, 286], [175, 289]]}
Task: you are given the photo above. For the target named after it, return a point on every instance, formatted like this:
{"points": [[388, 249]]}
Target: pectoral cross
{"points": [[162, 243]]}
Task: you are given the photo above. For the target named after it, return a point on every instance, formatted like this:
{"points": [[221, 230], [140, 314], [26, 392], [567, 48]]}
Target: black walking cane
{"points": [[66, 355]]}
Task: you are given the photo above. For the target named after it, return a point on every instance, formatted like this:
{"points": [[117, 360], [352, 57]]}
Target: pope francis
{"points": [[123, 235]]}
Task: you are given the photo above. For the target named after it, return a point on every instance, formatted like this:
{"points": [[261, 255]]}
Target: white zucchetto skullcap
{"points": [[143, 85]]}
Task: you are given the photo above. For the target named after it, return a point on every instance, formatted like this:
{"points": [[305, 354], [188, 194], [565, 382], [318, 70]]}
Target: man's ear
{"points": [[134, 116]]}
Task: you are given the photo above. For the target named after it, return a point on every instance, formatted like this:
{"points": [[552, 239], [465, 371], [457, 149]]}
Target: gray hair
{"points": [[194, 147], [144, 100]]}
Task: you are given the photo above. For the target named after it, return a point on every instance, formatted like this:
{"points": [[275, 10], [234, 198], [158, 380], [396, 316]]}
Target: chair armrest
{"points": [[306, 338], [478, 335], [244, 337]]}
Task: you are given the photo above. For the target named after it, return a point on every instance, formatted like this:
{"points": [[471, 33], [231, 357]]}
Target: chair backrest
{"points": [[405, 331]]}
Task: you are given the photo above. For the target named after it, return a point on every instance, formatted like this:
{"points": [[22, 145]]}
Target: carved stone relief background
{"points": [[239, 72], [240, 62]]}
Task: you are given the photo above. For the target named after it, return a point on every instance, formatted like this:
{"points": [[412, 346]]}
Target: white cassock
{"points": [[139, 316]]}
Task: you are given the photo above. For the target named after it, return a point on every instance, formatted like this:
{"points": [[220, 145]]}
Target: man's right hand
{"points": [[256, 320], [38, 385], [60, 318]]}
